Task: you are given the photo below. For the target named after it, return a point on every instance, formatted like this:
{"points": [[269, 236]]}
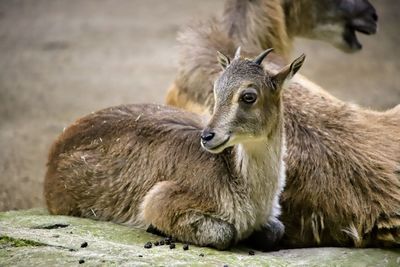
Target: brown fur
{"points": [[343, 161], [143, 165], [258, 24]]}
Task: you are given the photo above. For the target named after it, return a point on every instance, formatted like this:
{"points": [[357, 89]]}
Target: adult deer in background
{"points": [[275, 23], [258, 25]]}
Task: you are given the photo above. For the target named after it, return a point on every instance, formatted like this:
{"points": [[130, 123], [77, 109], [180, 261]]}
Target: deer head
{"points": [[247, 101], [333, 21]]}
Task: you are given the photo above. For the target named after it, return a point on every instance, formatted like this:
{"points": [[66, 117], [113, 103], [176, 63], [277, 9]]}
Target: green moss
{"points": [[35, 238], [6, 241]]}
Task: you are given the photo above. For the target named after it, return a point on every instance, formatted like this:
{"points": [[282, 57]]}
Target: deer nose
{"points": [[207, 135]]}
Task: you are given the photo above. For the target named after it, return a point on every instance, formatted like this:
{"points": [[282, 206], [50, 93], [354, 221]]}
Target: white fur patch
{"points": [[262, 168], [354, 234]]}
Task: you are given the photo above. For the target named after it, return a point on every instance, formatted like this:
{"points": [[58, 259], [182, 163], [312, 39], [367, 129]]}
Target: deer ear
{"points": [[223, 60], [287, 72]]}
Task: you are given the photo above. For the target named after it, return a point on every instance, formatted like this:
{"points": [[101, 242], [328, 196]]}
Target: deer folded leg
{"points": [[268, 237], [186, 217], [388, 231]]}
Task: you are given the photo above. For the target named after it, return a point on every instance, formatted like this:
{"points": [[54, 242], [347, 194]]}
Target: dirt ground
{"points": [[61, 59]]}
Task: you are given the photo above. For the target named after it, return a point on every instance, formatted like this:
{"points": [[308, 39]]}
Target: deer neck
{"points": [[260, 164], [257, 26], [298, 17]]}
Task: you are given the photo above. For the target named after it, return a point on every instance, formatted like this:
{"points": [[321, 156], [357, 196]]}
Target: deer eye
{"points": [[248, 97]]}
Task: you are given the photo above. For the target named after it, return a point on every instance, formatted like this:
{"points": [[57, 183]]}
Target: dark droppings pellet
{"points": [[251, 253], [162, 243], [201, 255], [167, 241], [186, 247], [53, 226], [172, 246], [140, 256], [148, 245], [156, 243], [226, 265], [84, 245], [81, 261]]}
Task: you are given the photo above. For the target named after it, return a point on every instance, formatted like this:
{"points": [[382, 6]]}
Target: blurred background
{"points": [[61, 59]]}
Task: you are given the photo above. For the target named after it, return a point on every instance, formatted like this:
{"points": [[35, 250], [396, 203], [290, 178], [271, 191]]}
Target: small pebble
{"points": [[201, 255], [84, 245], [156, 243], [251, 253], [148, 245], [186, 247], [162, 243], [172, 246], [81, 261]]}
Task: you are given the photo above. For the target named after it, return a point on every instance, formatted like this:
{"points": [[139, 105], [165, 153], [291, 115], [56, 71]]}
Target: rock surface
{"points": [[34, 238]]}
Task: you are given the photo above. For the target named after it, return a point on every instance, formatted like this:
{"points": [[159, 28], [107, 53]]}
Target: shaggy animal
{"points": [[143, 165], [275, 23], [343, 161]]}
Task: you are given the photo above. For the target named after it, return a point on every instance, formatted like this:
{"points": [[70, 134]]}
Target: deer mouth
{"points": [[364, 26], [351, 39], [216, 148]]}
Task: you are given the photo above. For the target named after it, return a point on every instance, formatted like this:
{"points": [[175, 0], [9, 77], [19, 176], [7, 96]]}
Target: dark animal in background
{"points": [[275, 23]]}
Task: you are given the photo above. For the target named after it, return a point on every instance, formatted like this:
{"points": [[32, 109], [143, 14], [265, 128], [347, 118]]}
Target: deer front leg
{"points": [[268, 237], [186, 217]]}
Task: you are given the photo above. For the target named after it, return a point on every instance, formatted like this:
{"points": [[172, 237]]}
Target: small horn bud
{"points": [[258, 60], [237, 53]]}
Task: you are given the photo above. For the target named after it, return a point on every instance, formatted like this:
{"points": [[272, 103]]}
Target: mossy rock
{"points": [[34, 238]]}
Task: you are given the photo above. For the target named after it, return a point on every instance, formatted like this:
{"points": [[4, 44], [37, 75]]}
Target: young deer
{"points": [[143, 164], [342, 163]]}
